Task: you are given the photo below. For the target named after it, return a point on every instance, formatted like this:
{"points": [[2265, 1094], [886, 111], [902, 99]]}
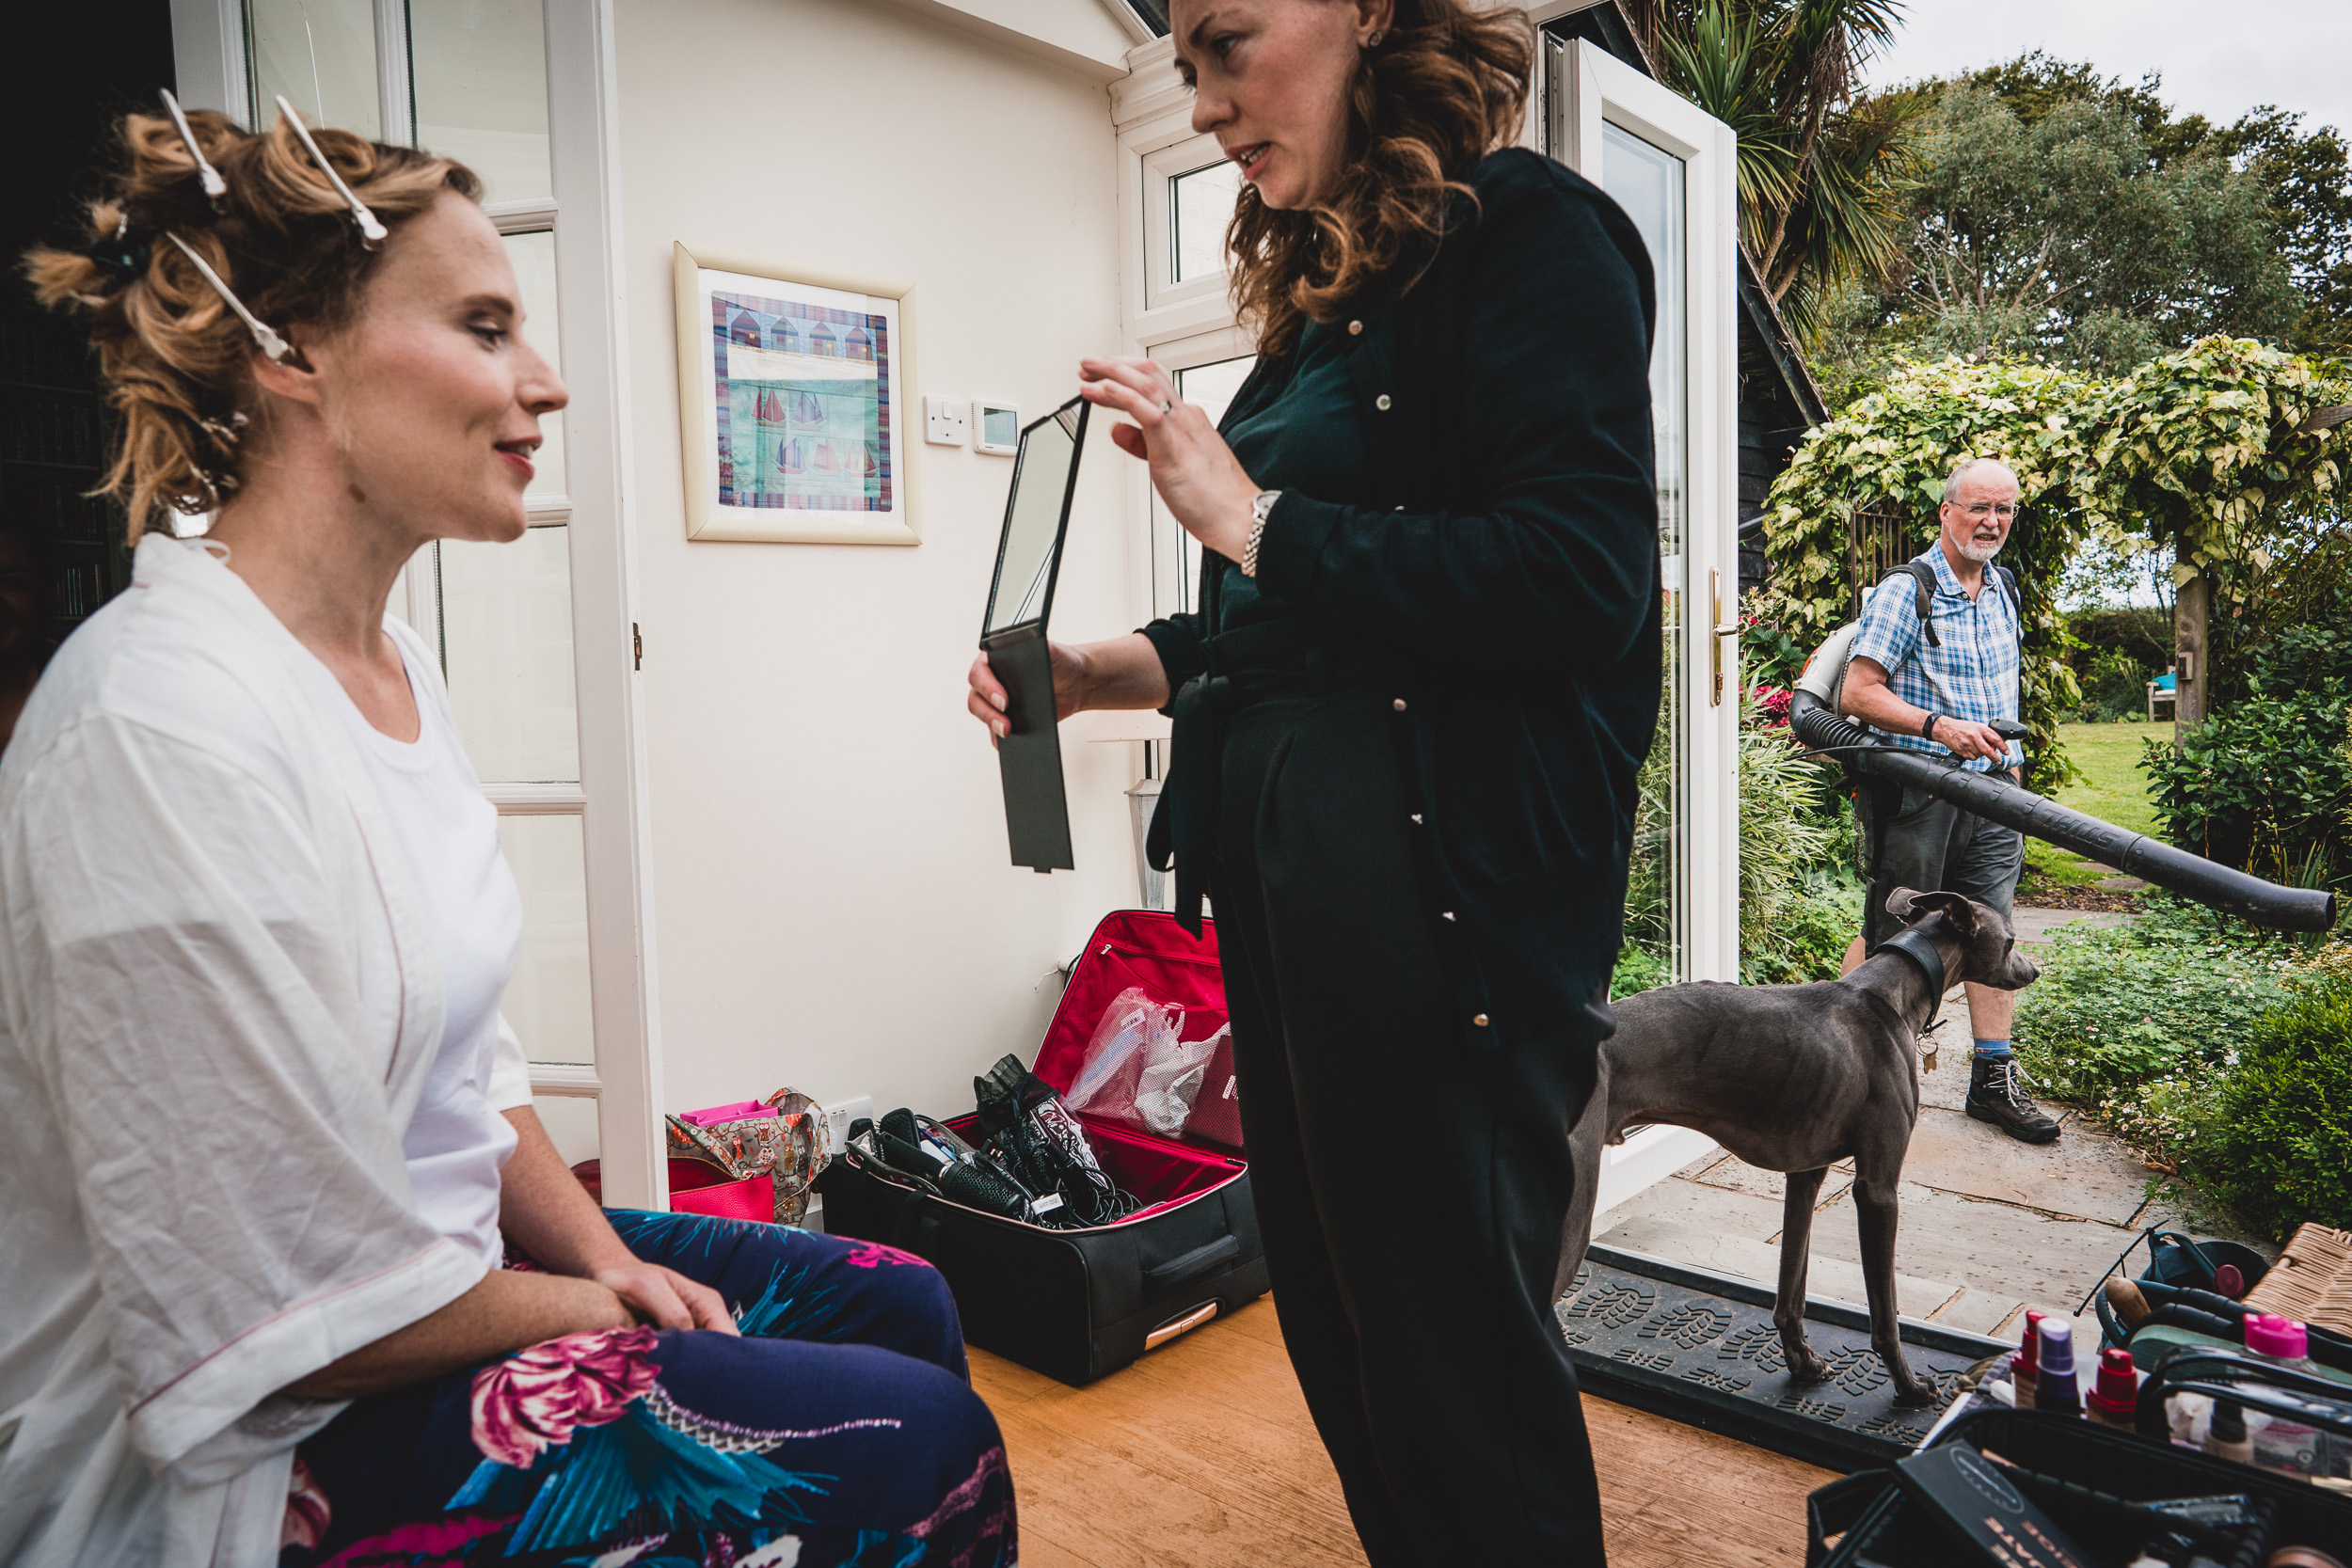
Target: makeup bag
{"points": [[1076, 1305]]}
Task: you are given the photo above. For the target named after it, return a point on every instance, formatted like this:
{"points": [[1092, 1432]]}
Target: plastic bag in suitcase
{"points": [[1078, 1304]]}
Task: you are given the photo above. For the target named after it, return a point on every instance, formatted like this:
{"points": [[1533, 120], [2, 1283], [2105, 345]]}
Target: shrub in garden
{"points": [[2141, 1022], [2279, 1148], [2115, 686], [2266, 783]]}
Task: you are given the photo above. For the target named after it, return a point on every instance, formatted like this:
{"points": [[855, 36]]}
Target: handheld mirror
{"points": [[1020, 599]]}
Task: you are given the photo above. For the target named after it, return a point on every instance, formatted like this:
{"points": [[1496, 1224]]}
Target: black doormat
{"points": [[1700, 1348]]}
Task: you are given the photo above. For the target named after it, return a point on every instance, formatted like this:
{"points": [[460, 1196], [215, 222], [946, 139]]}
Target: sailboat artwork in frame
{"points": [[793, 389]]}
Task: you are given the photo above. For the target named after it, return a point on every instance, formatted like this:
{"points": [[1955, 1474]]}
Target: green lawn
{"points": [[2112, 789]]}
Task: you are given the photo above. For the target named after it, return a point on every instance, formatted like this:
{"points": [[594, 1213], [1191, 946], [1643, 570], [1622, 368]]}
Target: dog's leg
{"points": [[1875, 1211], [1796, 1230]]}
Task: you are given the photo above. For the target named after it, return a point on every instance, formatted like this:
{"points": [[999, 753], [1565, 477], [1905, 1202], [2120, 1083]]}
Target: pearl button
{"points": [[1398, 705], [1381, 403], [1480, 1021], [1416, 820], [1354, 328], [1445, 914]]}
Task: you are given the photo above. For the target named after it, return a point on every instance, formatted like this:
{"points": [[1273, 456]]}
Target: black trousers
{"points": [[1411, 1195]]}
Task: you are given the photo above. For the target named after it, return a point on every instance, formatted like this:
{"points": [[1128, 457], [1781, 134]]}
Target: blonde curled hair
{"points": [[176, 358], [1447, 85]]}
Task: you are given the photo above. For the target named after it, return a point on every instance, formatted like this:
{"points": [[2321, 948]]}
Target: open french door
{"points": [[1670, 165]]}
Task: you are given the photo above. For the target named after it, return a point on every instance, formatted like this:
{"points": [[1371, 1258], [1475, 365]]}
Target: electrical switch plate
{"points": [[997, 427], [837, 1119], [944, 421]]}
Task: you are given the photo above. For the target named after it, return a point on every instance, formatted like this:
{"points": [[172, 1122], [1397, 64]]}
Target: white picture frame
{"points": [[812, 447]]}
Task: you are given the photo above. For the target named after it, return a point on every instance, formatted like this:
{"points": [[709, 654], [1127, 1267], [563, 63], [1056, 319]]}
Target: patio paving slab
{"points": [[2084, 1174], [1736, 1175], [2006, 1253], [1834, 1277]]}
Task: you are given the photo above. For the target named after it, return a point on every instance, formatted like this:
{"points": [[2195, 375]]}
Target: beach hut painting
{"points": [[798, 425]]}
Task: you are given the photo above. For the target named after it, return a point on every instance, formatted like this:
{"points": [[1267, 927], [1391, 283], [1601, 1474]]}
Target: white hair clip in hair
{"points": [[214, 186], [271, 344], [372, 231]]}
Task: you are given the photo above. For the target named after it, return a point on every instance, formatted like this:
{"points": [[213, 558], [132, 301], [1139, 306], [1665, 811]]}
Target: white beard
{"points": [[1975, 552]]}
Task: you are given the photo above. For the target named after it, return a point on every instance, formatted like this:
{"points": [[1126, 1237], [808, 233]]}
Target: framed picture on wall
{"points": [[794, 387]]}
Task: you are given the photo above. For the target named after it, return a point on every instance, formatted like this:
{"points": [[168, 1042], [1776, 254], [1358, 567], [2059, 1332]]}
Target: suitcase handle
{"points": [[1200, 1260], [1835, 1509]]}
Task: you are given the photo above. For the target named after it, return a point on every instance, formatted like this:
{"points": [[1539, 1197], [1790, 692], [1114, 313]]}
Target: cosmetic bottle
{"points": [[2054, 1374], [2115, 1401], [2226, 1438], [2024, 1366], [2279, 1443]]}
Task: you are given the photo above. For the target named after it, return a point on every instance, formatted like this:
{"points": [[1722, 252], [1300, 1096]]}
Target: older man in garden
{"points": [[1937, 686]]}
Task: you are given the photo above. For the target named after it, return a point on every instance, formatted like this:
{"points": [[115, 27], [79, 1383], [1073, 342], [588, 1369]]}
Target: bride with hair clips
{"points": [[293, 1271]]}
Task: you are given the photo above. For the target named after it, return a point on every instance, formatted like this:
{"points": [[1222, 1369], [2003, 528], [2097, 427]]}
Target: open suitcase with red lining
{"points": [[1078, 1304]]}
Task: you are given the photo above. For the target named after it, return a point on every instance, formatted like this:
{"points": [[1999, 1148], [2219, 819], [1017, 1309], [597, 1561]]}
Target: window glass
{"points": [[533, 259], [480, 69], [1211, 386], [547, 1000], [506, 647], [1647, 181], [321, 55], [1201, 205]]}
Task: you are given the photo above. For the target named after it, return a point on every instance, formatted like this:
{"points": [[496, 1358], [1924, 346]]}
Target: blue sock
{"points": [[1993, 1051]]}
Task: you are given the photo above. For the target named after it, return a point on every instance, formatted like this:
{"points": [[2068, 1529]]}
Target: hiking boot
{"points": [[1996, 1093]]}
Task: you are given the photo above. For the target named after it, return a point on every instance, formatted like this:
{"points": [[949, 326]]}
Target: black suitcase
{"points": [[1078, 1304]]}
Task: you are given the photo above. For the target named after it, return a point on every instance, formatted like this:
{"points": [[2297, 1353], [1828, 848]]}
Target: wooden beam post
{"points": [[2191, 606]]}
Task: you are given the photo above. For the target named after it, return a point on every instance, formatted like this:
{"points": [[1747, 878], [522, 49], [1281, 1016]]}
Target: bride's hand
{"points": [[1200, 480]]}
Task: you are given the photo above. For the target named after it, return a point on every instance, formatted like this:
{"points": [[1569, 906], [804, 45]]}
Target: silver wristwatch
{"points": [[1260, 507]]}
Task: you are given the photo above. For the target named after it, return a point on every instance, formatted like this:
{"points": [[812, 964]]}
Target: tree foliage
{"points": [[1821, 165], [2066, 237], [2056, 213]]}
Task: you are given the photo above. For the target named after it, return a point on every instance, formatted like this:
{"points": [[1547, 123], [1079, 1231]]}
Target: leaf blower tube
{"points": [[1995, 799]]}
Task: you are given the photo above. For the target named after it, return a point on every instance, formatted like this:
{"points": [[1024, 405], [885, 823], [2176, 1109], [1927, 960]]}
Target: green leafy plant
{"points": [[2138, 1022], [2114, 685], [2266, 783], [2279, 1146]]}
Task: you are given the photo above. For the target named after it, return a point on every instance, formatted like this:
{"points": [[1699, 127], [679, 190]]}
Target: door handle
{"points": [[1718, 627]]}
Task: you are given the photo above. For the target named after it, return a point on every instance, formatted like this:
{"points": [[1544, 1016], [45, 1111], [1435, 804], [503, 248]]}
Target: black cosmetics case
{"points": [[1076, 1305]]}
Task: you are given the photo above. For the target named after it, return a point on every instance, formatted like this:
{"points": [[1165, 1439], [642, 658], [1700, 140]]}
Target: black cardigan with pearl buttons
{"points": [[1509, 593]]}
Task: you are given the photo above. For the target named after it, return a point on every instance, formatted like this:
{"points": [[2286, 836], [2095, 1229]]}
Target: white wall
{"points": [[832, 902]]}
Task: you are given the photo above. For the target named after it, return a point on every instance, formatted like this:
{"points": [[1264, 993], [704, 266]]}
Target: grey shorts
{"points": [[1928, 845]]}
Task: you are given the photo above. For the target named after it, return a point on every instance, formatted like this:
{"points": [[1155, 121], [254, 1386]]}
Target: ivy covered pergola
{"points": [[2206, 453]]}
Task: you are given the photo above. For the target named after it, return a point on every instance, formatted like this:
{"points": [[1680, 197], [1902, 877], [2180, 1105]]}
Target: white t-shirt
{"points": [[457, 1139]]}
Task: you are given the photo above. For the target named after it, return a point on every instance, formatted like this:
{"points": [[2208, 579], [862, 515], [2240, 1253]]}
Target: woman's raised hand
{"points": [[987, 697], [1201, 481], [1117, 672]]}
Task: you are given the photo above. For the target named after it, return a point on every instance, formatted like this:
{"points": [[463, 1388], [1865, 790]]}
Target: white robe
{"points": [[218, 1001]]}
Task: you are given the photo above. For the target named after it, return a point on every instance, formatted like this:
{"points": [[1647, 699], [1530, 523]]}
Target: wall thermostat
{"points": [[995, 426], [943, 422]]}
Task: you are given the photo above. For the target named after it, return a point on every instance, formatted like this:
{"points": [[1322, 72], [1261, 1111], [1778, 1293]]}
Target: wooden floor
{"points": [[1201, 1455]]}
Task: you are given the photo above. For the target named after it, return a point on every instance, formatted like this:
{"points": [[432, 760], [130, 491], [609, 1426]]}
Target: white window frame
{"points": [[209, 38]]}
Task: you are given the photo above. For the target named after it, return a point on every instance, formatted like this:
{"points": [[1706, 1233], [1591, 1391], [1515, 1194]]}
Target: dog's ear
{"points": [[1899, 903], [1956, 909]]}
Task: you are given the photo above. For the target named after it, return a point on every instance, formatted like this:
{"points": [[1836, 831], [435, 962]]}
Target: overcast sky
{"points": [[2219, 57]]}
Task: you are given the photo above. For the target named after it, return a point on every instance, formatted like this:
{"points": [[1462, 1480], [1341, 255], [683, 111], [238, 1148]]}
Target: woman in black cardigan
{"points": [[1408, 722]]}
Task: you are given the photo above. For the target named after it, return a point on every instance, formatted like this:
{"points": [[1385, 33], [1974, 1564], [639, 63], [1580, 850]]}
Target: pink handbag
{"points": [[699, 1189]]}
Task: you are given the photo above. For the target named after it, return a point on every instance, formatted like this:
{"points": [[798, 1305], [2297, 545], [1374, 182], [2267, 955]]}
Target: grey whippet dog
{"points": [[1794, 1078]]}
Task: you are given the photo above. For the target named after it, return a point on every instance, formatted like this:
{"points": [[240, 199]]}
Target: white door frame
{"points": [[209, 41], [1594, 87]]}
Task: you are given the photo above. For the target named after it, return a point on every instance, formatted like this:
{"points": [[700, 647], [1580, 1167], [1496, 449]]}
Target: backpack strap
{"points": [[1923, 599]]}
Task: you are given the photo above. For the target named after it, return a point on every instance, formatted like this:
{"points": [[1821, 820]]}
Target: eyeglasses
{"points": [[1981, 510]]}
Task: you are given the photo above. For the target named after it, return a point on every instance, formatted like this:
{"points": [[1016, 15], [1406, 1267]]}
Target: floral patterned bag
{"points": [[782, 1137]]}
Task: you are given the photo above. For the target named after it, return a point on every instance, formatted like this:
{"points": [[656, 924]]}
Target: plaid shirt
{"points": [[1973, 676]]}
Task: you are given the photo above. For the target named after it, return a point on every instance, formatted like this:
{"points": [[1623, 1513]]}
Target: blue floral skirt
{"points": [[840, 1429]]}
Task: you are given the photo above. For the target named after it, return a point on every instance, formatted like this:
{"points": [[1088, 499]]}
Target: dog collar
{"points": [[1914, 944]]}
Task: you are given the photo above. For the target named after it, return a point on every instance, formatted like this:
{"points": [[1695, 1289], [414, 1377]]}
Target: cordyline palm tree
{"points": [[1821, 165]]}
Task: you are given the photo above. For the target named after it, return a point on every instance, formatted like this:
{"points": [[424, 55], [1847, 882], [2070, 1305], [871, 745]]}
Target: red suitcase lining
{"points": [[1145, 948]]}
